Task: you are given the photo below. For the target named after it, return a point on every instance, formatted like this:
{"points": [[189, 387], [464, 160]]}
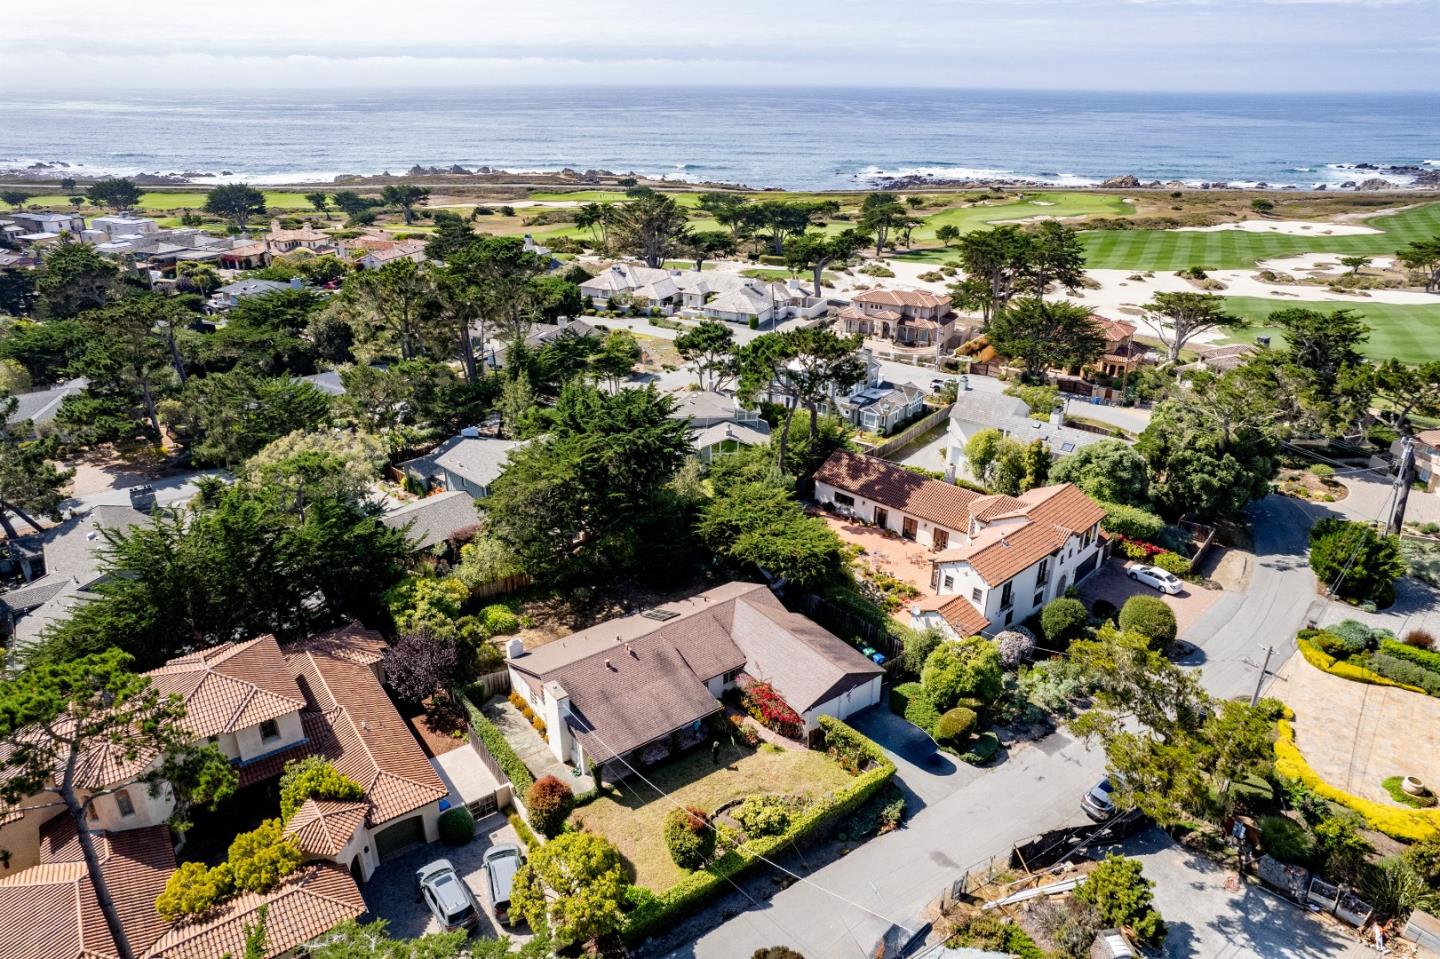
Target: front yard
{"points": [[632, 815]]}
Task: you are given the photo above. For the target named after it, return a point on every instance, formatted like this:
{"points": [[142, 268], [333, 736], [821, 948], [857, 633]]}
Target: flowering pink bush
{"points": [[765, 705]]}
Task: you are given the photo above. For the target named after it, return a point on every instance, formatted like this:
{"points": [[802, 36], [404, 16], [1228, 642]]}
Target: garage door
{"points": [[1085, 568], [392, 839]]}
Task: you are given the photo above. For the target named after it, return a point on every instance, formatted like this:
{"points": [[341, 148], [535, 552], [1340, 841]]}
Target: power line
{"points": [[736, 846]]}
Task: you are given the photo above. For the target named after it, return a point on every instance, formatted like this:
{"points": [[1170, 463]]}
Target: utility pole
{"points": [[1260, 680], [1402, 485]]}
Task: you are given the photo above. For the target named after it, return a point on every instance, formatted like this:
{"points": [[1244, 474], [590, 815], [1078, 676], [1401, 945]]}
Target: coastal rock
{"points": [[1122, 182], [1375, 183]]}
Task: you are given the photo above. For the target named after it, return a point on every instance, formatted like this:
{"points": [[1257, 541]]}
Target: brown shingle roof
{"points": [[312, 901], [50, 910], [230, 687], [806, 664], [933, 500], [322, 827]]}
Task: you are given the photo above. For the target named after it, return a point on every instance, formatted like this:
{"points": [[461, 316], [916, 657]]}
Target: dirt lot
{"points": [[1111, 584]]}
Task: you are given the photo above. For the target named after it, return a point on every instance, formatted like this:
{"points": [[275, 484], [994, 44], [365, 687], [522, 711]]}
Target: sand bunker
{"points": [[1288, 227]]}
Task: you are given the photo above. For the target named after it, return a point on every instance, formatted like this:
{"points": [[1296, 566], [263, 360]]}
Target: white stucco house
{"points": [[995, 559]]}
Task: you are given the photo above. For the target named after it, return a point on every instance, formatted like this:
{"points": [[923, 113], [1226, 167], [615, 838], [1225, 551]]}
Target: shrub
{"points": [[1051, 684], [457, 826], [495, 742], [962, 668], [881, 813], [747, 733], [1151, 617], [260, 858], [1016, 646], [1420, 656], [1172, 563], [549, 801], [1420, 638], [955, 727], [1063, 620], [314, 777], [689, 837], [523, 830], [1355, 636], [982, 749], [917, 648], [192, 890], [1132, 522], [499, 620], [1364, 564], [1133, 549], [700, 888], [1404, 671], [763, 816], [1119, 891], [911, 701], [1287, 840], [766, 707], [1322, 471], [776, 952]]}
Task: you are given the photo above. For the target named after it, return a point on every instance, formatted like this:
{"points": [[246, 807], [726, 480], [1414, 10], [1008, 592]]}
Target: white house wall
{"points": [[845, 705], [1025, 585], [865, 509], [249, 746]]}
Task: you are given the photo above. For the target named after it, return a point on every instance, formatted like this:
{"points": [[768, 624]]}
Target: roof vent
{"points": [[608, 666], [630, 651]]}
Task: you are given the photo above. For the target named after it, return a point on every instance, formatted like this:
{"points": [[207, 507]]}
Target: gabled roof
{"points": [[311, 901], [1114, 331], [1011, 415], [963, 617], [1050, 515], [322, 827], [476, 459], [436, 518], [807, 664], [1428, 438], [942, 503], [230, 687]]}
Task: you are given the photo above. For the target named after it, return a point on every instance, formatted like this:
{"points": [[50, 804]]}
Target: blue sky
{"points": [[1185, 45]]}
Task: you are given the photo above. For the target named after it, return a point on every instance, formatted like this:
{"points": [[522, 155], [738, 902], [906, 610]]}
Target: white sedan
{"points": [[1156, 577]]}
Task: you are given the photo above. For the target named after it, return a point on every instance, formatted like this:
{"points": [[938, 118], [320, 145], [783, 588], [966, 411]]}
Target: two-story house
{"points": [[719, 424], [996, 559], [912, 318]]}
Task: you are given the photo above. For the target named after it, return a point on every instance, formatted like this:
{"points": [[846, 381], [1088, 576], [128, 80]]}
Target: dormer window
{"points": [[269, 729], [123, 802]]}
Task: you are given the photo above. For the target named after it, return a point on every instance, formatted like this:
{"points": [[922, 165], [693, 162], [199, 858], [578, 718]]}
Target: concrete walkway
{"points": [[532, 749]]}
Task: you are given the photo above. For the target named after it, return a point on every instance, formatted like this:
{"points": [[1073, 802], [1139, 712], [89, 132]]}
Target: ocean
{"points": [[804, 139]]}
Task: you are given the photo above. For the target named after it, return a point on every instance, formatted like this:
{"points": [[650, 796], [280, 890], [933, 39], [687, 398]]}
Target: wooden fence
{"points": [[911, 433], [843, 622], [499, 587], [493, 684]]}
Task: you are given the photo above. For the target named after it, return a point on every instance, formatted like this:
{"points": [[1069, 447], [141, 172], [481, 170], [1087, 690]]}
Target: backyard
{"points": [[632, 815]]}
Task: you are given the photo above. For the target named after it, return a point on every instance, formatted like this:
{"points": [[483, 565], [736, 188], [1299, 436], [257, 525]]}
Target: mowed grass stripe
{"points": [[1235, 249], [1405, 332]]}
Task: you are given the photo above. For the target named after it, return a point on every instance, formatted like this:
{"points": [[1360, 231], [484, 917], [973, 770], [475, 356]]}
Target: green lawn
{"points": [[1403, 332], [1234, 249], [633, 816], [980, 216]]}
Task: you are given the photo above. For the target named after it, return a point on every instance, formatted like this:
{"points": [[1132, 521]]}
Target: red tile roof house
{"points": [[1427, 458], [914, 318], [262, 705], [997, 559], [633, 689]]}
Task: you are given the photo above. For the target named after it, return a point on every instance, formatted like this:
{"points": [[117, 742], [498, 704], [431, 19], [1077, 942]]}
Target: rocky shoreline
{"points": [[1374, 179]]}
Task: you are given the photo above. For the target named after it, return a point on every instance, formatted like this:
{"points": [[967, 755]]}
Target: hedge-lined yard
{"points": [[846, 745]]}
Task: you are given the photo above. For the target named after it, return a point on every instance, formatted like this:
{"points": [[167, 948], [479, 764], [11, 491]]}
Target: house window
{"points": [[1039, 598], [1089, 533], [843, 499], [975, 594], [269, 729], [949, 582], [1007, 597], [1044, 573], [733, 675], [122, 800], [1009, 615]]}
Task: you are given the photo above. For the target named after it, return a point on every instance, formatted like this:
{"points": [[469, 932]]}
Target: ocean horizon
{"points": [[786, 137]]}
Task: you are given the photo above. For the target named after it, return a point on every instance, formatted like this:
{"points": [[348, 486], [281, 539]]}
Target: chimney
{"points": [[142, 498], [274, 224], [557, 709], [514, 647], [1057, 416]]}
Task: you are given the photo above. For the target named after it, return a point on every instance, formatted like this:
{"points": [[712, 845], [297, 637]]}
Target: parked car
{"points": [[501, 863], [1155, 577], [448, 897], [1097, 803]]}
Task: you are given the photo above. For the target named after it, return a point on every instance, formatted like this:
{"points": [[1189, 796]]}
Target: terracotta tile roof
{"points": [[51, 911], [921, 298], [1428, 437], [1113, 330], [959, 613], [231, 687], [350, 720], [322, 827], [987, 508], [1052, 513], [854, 313], [351, 642], [927, 499], [312, 901]]}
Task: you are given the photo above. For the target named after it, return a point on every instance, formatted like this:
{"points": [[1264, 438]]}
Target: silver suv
{"points": [[501, 863], [450, 901]]}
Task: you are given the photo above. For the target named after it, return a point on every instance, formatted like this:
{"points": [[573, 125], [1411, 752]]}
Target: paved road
{"points": [[966, 815]]}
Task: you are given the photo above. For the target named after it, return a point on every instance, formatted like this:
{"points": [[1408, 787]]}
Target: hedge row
{"points": [[1409, 825], [523, 830], [700, 887], [1423, 658], [495, 741], [1323, 661]]}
